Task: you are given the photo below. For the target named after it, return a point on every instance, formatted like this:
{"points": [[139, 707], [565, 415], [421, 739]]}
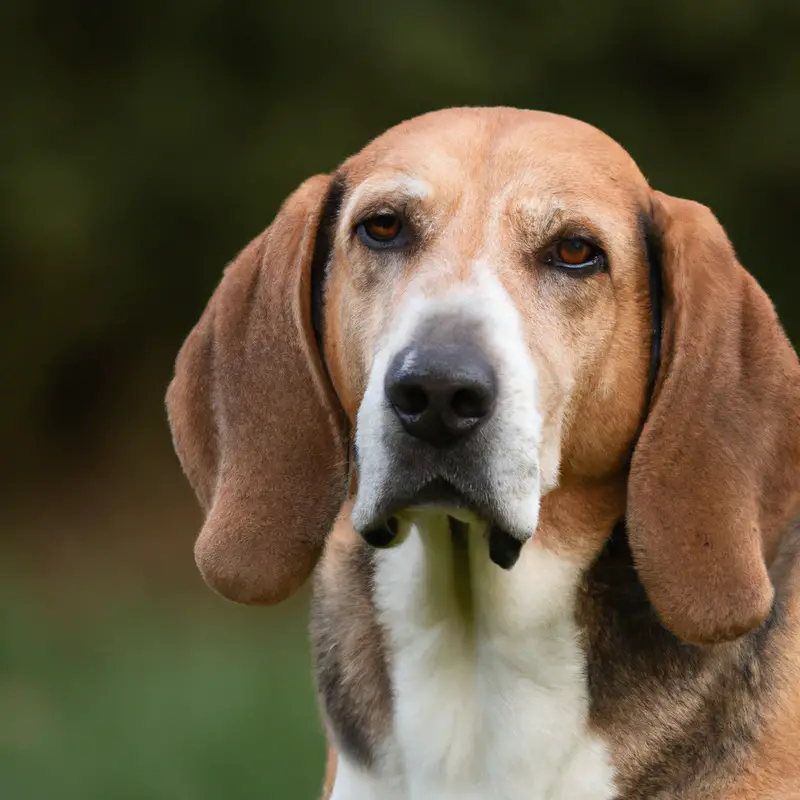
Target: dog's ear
{"points": [[714, 477], [254, 419]]}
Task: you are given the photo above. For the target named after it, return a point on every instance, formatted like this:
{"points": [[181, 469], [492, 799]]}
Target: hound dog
{"points": [[538, 431]]}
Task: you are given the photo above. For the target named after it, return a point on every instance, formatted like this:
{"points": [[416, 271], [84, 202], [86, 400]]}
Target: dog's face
{"points": [[465, 306], [487, 305]]}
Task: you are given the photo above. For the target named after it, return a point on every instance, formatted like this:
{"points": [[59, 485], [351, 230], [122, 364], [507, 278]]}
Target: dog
{"points": [[536, 433]]}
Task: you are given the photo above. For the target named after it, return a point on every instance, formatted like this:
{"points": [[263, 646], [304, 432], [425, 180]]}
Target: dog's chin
{"points": [[440, 498]]}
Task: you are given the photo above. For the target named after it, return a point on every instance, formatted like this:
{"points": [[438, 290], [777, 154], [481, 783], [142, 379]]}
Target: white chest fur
{"points": [[488, 675]]}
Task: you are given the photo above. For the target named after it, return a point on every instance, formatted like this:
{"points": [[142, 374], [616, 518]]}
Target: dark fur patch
{"points": [[322, 251], [653, 246], [352, 677], [685, 715], [651, 237]]}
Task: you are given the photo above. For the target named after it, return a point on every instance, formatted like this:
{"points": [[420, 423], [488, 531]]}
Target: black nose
{"points": [[441, 393]]}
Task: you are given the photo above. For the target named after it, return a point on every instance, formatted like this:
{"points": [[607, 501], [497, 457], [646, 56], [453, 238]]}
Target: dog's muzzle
{"points": [[439, 398]]}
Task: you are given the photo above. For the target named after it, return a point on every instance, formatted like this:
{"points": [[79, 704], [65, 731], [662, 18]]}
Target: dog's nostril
{"points": [[410, 399], [470, 404], [440, 392]]}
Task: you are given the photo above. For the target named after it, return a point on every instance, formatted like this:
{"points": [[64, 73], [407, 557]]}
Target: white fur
{"points": [[398, 185], [490, 698], [353, 783], [518, 467], [490, 695]]}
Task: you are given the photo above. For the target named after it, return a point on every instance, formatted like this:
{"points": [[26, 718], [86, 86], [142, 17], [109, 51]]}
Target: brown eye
{"points": [[574, 252], [383, 227], [577, 255]]}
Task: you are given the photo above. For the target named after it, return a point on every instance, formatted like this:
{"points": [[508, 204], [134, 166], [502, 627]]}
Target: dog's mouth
{"points": [[442, 497]]}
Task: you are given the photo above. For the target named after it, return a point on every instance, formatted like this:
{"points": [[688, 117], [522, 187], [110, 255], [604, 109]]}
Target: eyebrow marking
{"points": [[372, 192]]}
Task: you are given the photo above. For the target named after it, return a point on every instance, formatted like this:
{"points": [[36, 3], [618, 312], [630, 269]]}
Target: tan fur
{"points": [[247, 405], [715, 470], [330, 773], [583, 347], [773, 771], [714, 479]]}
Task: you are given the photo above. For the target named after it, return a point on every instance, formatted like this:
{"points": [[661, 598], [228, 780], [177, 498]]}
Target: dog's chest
{"points": [[488, 677]]}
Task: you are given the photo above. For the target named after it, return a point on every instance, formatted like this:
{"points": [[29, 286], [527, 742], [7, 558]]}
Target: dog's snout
{"points": [[441, 393]]}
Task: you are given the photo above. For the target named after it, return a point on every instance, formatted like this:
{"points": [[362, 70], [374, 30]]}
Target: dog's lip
{"points": [[435, 495], [439, 493], [441, 496]]}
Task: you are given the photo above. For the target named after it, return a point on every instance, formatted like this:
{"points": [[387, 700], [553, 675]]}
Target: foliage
{"points": [[146, 697], [145, 143]]}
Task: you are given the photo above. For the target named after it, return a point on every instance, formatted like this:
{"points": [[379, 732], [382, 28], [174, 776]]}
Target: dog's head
{"points": [[460, 320]]}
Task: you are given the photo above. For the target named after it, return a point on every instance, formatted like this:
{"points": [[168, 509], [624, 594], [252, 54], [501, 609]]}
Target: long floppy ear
{"points": [[715, 477], [255, 422]]}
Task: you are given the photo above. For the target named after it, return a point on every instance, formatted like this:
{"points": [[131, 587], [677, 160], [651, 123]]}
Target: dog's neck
{"points": [[488, 670], [441, 673], [551, 679]]}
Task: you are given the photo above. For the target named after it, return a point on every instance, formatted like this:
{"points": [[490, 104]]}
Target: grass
{"points": [[131, 696]]}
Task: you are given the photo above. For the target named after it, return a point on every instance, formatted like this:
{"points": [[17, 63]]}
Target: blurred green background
{"points": [[141, 146]]}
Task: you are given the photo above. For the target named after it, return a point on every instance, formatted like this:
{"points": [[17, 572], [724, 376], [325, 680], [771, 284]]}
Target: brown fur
{"points": [[715, 470], [713, 482], [248, 404]]}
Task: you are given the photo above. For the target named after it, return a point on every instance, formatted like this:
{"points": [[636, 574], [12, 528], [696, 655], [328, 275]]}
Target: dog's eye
{"points": [[381, 230], [576, 253], [383, 227]]}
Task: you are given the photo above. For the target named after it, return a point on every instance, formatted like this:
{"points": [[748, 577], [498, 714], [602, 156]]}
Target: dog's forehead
{"points": [[493, 146]]}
